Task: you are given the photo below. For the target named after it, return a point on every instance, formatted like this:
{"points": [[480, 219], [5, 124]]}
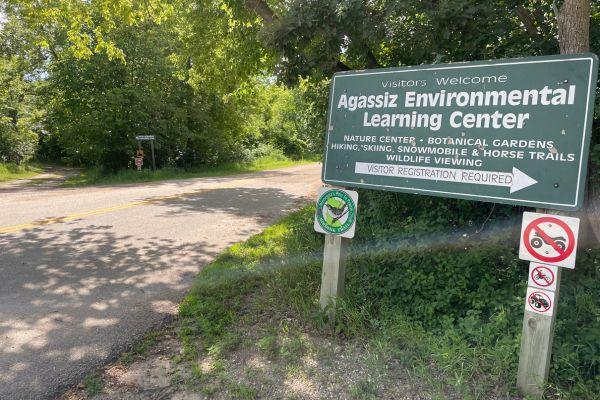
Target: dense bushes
{"points": [[18, 117]]}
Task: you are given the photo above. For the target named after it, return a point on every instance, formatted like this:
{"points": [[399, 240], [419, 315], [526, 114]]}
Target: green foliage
{"points": [[95, 176], [13, 171], [98, 106], [312, 36], [450, 303], [241, 391], [93, 385], [19, 117], [288, 119]]}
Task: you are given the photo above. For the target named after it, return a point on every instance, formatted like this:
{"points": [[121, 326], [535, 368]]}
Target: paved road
{"points": [[84, 272]]}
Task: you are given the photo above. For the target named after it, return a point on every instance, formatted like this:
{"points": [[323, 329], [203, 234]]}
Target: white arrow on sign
{"points": [[515, 180]]}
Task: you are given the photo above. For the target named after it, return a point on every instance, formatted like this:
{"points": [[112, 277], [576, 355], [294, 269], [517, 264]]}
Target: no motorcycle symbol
{"points": [[549, 239], [542, 276]]}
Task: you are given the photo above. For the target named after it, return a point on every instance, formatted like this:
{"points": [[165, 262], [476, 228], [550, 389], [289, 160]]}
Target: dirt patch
{"points": [[50, 177], [263, 364]]}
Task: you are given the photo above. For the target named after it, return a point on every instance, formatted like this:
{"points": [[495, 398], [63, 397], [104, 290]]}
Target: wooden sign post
{"points": [[151, 139], [536, 348], [334, 272], [549, 240], [513, 131], [335, 216]]}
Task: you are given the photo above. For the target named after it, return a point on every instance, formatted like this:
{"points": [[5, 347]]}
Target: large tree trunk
{"points": [[574, 26], [573, 19]]}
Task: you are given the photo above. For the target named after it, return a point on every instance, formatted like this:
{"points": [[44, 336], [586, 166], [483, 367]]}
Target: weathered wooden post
{"points": [[334, 272], [336, 218], [536, 348], [559, 234], [573, 19]]}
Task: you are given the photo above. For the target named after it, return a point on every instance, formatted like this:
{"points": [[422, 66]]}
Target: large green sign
{"points": [[513, 131]]}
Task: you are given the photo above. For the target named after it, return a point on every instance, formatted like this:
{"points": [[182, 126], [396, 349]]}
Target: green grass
{"points": [[139, 349], [93, 385], [464, 345], [95, 177], [10, 172]]}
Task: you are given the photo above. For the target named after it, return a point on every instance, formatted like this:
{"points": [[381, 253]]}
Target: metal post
{"points": [[153, 159]]}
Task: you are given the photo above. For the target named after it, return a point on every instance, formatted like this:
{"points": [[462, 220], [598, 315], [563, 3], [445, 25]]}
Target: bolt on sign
{"points": [[336, 212], [539, 301], [542, 276], [549, 239], [513, 131]]}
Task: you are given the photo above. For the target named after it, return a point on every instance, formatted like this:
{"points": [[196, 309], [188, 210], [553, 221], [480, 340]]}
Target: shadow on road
{"points": [[264, 205], [74, 297]]}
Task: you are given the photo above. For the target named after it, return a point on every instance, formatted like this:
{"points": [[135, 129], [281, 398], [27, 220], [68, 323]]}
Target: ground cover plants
{"points": [[12, 171], [433, 304]]}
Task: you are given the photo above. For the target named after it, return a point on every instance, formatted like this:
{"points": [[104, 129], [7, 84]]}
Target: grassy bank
{"points": [[437, 316], [12, 171], [95, 177], [433, 309]]}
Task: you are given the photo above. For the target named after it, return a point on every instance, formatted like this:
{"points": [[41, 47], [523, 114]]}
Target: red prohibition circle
{"points": [[545, 269], [531, 250], [545, 296]]}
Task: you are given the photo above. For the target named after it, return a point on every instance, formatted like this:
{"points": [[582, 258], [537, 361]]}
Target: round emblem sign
{"points": [[336, 211]]}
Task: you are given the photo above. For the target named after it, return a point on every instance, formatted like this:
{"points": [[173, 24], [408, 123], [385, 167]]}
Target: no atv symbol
{"points": [[550, 239], [540, 301]]}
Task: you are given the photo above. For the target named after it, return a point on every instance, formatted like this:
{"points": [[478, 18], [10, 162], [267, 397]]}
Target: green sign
{"points": [[336, 212], [513, 131]]}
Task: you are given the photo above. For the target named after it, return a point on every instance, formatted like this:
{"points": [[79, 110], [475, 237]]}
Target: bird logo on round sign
{"points": [[336, 212]]}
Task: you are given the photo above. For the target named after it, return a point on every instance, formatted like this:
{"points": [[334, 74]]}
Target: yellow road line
{"points": [[106, 210]]}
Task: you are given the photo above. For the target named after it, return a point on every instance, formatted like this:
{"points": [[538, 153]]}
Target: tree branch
{"points": [[528, 22], [262, 9], [371, 60], [340, 66]]}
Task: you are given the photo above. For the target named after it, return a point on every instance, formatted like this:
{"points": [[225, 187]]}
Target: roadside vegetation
{"points": [[430, 296], [13, 171], [433, 307], [435, 290], [94, 176]]}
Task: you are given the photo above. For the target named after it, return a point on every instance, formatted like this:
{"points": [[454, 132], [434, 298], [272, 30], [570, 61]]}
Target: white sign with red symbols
{"points": [[542, 276], [539, 301], [139, 161], [549, 239]]}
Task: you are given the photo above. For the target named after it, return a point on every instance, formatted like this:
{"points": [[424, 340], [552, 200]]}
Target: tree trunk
{"points": [[574, 26], [573, 20]]}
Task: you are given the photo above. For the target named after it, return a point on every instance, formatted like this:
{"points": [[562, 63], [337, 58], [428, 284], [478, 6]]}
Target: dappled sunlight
{"points": [[80, 288], [302, 386], [78, 353], [99, 322], [74, 299]]}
